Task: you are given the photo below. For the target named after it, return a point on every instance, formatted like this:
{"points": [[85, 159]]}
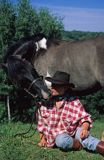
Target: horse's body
{"points": [[84, 60]]}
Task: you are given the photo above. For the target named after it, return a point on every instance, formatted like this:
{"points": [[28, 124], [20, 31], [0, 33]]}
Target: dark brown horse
{"points": [[19, 69], [84, 60]]}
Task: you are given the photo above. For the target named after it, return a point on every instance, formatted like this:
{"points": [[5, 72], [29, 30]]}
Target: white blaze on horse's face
{"points": [[43, 43], [48, 84]]}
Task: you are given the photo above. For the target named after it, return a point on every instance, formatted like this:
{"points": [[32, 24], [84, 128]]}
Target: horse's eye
{"points": [[41, 77]]}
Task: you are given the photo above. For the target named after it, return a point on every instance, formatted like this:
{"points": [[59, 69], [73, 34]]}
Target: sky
{"points": [[80, 15]]}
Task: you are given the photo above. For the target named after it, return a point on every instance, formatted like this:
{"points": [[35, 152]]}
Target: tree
{"points": [[50, 24], [30, 21], [94, 104], [7, 24], [27, 19]]}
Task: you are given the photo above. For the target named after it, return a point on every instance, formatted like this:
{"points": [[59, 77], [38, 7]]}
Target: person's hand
{"points": [[85, 130], [84, 133], [43, 142]]}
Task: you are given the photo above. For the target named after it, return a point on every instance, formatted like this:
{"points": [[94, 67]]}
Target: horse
{"points": [[83, 60], [23, 74]]}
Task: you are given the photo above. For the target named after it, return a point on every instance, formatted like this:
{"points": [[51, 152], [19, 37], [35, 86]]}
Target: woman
{"points": [[65, 123]]}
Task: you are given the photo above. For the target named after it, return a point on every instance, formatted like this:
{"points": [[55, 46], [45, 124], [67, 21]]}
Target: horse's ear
{"points": [[39, 36]]}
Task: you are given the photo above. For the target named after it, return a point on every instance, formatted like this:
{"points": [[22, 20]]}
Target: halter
{"points": [[28, 90]]}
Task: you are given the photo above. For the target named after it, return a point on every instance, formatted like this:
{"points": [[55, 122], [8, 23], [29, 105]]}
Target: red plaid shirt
{"points": [[53, 121]]}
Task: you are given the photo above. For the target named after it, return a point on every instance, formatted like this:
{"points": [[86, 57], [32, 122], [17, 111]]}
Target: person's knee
{"points": [[64, 141], [90, 143]]}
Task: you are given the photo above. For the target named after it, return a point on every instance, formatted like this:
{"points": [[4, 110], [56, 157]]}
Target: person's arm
{"points": [[84, 130], [83, 116], [43, 142], [85, 121], [40, 127], [40, 124], [41, 135]]}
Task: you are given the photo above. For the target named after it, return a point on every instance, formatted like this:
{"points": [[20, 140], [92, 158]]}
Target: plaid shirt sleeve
{"points": [[40, 125], [83, 116]]}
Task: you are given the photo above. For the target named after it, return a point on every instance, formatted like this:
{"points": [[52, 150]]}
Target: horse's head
{"points": [[22, 73]]}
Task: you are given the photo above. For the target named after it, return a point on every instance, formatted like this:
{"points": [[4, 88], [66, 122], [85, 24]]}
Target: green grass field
{"points": [[20, 148]]}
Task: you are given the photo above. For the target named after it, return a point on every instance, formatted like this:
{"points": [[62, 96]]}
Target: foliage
{"points": [[20, 148], [49, 24], [22, 106], [5, 89], [7, 25], [7, 31], [79, 35], [30, 21], [26, 20], [94, 104]]}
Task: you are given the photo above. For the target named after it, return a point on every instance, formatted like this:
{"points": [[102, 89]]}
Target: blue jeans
{"points": [[65, 141]]}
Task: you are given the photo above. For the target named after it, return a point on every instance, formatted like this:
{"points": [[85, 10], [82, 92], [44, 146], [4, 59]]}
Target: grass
{"points": [[20, 148]]}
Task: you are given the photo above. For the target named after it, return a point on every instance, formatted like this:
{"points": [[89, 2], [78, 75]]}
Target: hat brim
{"points": [[59, 82]]}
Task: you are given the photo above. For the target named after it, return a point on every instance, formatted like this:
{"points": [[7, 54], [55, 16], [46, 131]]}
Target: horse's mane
{"points": [[17, 48], [23, 46], [52, 41]]}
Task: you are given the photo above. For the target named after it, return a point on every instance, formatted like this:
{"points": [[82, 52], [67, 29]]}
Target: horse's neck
{"points": [[40, 64], [45, 62]]}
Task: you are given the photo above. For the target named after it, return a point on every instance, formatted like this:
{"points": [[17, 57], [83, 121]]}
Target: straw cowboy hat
{"points": [[60, 78]]}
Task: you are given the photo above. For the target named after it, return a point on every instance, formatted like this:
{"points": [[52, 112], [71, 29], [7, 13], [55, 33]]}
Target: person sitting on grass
{"points": [[65, 123]]}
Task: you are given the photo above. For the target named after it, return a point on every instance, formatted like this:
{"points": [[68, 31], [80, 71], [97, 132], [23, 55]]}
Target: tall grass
{"points": [[20, 148]]}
